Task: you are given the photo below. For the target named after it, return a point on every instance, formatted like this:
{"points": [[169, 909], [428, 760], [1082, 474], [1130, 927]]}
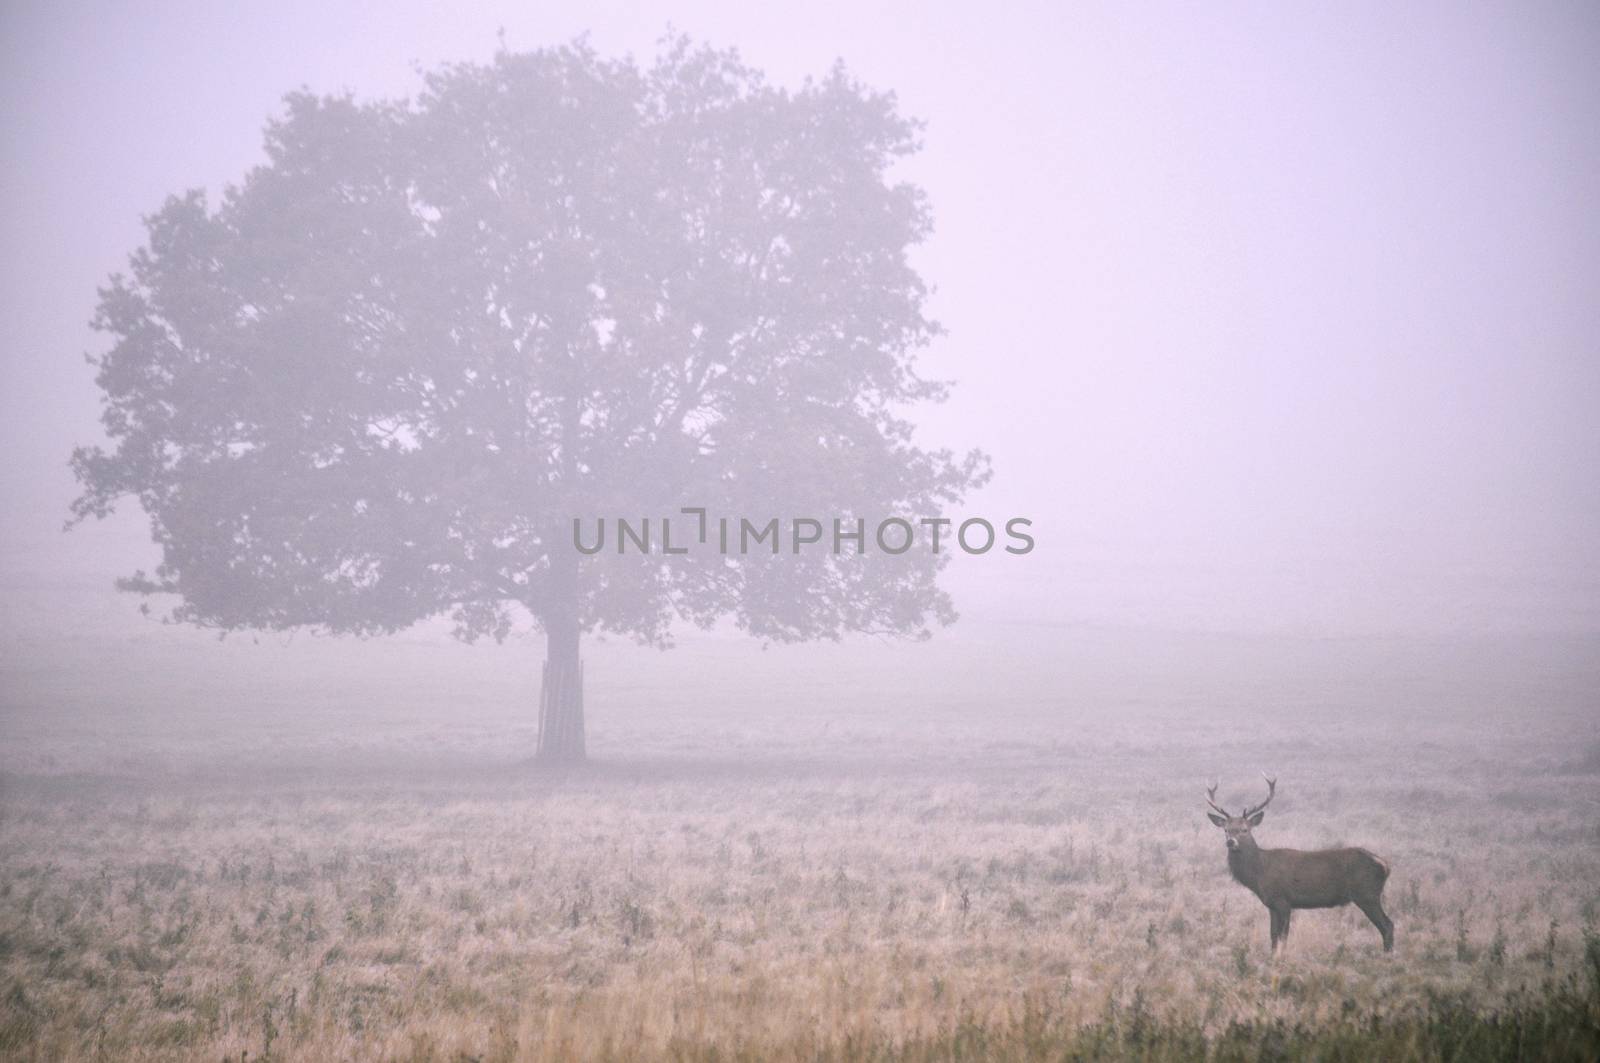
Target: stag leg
{"points": [[1380, 919], [1280, 926]]}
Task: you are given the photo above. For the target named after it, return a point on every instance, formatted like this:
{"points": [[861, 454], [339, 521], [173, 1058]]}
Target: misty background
{"points": [[1280, 326]]}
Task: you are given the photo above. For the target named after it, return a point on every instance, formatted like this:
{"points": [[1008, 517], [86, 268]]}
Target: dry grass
{"points": [[876, 894]]}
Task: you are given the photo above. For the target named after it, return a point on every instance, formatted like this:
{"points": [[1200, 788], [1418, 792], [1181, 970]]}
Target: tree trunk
{"points": [[561, 699], [561, 739]]}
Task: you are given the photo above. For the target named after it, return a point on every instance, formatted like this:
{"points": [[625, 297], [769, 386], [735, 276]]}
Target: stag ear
{"points": [[1255, 820], [1218, 820]]}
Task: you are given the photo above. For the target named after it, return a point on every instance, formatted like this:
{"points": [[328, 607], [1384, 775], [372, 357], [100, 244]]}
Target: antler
{"points": [[1272, 788], [1211, 799]]}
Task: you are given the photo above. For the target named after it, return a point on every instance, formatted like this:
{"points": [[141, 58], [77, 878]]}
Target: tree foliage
{"points": [[378, 379]]}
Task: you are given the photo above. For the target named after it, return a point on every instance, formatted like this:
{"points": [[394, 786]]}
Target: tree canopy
{"points": [[376, 380]]}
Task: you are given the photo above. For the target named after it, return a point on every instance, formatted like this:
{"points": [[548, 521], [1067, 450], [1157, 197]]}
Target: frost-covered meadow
{"points": [[807, 872]]}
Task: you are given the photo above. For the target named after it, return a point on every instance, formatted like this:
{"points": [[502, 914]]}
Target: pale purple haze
{"points": [[1276, 320]]}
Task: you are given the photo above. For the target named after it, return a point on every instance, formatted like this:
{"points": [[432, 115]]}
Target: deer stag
{"points": [[1286, 879]]}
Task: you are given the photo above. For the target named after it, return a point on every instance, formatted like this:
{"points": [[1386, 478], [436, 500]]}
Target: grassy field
{"points": [[790, 870], [1020, 897]]}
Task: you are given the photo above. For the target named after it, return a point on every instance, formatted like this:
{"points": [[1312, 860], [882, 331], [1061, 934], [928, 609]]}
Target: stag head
{"points": [[1237, 828]]}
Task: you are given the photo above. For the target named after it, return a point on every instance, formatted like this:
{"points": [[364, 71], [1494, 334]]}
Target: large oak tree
{"points": [[378, 380]]}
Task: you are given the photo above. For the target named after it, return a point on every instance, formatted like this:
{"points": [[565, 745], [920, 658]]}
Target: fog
{"points": [[1279, 327], [1274, 326]]}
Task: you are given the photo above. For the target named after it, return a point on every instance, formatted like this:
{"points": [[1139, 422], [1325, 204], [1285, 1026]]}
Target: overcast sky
{"points": [[1271, 317]]}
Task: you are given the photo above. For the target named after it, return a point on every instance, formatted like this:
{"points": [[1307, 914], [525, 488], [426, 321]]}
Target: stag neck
{"points": [[1245, 862]]}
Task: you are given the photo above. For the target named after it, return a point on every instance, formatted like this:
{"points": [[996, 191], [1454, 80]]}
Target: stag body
{"points": [[1286, 879]]}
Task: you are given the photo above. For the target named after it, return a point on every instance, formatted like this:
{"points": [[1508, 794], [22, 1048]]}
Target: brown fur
{"points": [[1286, 879]]}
